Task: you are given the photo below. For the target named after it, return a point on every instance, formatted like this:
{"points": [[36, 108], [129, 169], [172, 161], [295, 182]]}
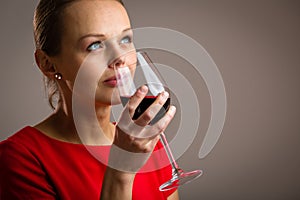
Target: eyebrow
{"points": [[127, 29], [99, 35]]}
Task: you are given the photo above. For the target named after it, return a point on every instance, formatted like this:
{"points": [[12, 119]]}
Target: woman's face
{"points": [[94, 27]]}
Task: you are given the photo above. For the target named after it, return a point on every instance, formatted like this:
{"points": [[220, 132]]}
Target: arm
{"points": [[129, 152], [174, 196], [117, 185]]}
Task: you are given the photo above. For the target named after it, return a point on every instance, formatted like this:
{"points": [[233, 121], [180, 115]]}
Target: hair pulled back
{"points": [[47, 29]]}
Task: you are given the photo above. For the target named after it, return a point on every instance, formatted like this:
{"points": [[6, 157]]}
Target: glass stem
{"points": [[169, 153]]}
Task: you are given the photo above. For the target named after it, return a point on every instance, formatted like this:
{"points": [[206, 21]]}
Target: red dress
{"points": [[35, 166]]}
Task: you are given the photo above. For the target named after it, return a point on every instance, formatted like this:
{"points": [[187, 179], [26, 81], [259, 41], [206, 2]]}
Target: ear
{"points": [[44, 63]]}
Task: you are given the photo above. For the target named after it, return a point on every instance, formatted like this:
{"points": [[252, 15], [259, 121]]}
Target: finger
{"points": [[136, 99], [125, 122], [150, 132], [163, 123], [152, 111]]}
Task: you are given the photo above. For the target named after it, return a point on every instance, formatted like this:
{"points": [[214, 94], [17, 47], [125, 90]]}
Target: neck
{"points": [[83, 126]]}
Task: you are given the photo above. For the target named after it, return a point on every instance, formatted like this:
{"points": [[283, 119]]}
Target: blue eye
{"points": [[126, 40], [94, 46]]}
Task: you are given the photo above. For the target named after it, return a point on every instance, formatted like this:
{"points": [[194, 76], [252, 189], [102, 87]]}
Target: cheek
{"points": [[69, 66], [86, 70]]}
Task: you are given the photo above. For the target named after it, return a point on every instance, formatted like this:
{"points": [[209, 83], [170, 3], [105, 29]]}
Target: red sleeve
{"points": [[21, 174]]}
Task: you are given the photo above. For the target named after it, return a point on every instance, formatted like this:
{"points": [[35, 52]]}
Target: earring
{"points": [[58, 76]]}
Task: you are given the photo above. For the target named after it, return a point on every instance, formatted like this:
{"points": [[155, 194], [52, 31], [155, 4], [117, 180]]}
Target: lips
{"points": [[112, 81]]}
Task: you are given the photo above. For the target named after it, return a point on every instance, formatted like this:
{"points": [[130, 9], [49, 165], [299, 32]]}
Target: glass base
{"points": [[179, 177]]}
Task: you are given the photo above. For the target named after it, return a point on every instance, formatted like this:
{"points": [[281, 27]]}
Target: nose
{"points": [[118, 62]]}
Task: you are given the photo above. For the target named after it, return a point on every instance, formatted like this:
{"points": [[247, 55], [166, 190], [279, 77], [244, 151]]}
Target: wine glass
{"points": [[144, 72]]}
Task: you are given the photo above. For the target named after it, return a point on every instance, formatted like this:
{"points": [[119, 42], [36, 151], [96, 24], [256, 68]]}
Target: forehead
{"points": [[107, 17]]}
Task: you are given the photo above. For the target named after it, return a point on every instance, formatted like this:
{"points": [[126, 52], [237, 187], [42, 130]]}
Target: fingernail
{"points": [[165, 94], [172, 109], [143, 89]]}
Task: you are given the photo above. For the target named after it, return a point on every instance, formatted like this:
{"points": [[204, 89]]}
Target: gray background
{"points": [[256, 46]]}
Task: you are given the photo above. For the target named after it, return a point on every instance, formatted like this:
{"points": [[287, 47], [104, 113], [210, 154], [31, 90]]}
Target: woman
{"points": [[49, 160]]}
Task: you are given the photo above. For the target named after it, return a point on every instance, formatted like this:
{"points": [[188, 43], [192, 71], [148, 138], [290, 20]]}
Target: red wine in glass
{"points": [[144, 72], [146, 102]]}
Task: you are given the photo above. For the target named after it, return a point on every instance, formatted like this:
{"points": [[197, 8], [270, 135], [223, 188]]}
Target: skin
{"points": [[86, 24]]}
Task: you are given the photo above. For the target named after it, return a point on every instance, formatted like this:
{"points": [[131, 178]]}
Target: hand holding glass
{"points": [[129, 79]]}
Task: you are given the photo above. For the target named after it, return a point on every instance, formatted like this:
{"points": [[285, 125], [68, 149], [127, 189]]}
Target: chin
{"points": [[107, 100]]}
